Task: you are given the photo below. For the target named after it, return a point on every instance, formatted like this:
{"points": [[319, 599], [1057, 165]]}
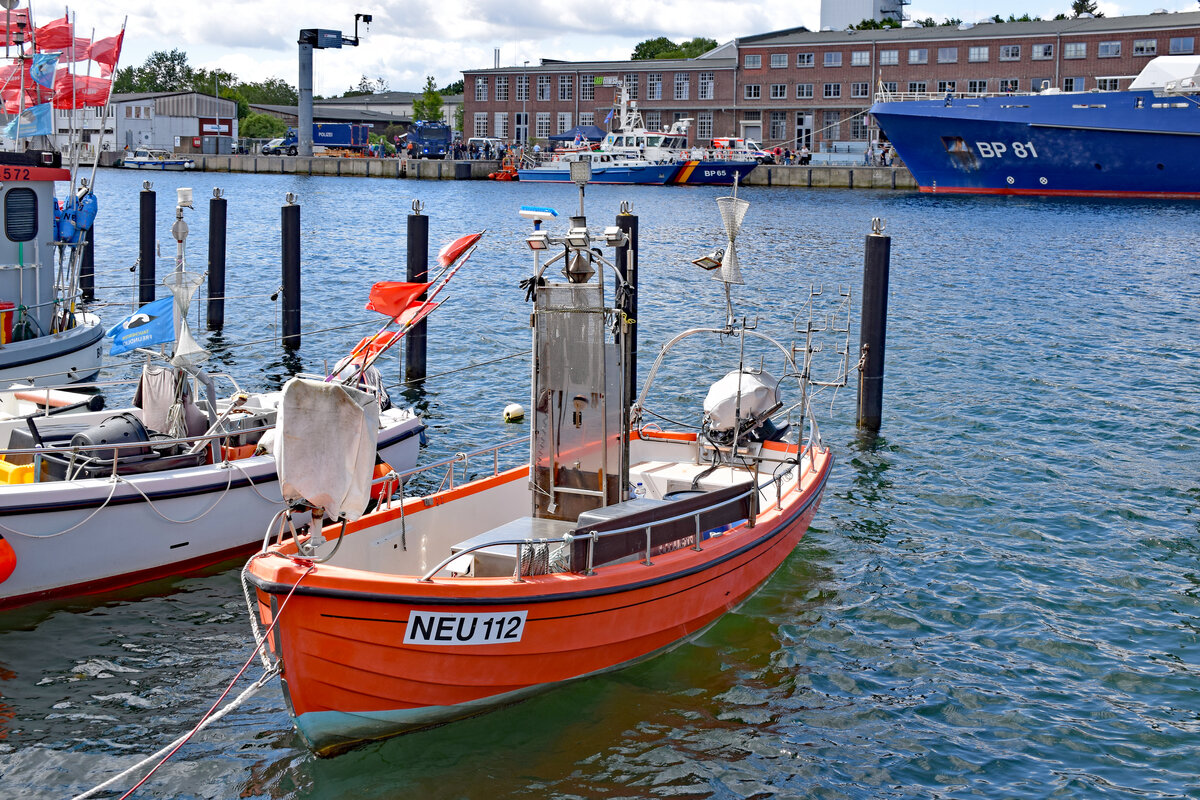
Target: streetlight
{"points": [[524, 98]]}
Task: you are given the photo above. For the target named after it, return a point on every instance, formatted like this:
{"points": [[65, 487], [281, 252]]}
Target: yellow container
{"points": [[15, 473]]}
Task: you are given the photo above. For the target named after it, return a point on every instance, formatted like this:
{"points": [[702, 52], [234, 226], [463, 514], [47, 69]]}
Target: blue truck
{"points": [[341, 135], [429, 139]]}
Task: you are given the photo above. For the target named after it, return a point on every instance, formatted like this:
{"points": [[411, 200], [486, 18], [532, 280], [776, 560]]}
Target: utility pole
{"points": [[318, 39]]}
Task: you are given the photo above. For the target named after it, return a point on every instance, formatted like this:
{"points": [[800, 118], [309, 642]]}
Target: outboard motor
{"points": [[747, 419], [121, 429]]}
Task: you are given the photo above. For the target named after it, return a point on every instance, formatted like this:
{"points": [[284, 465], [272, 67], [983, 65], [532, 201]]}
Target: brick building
{"points": [[797, 85]]}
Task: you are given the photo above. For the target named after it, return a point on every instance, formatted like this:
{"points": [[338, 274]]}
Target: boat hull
{"points": [[1114, 144], [73, 356], [86, 536], [349, 675], [655, 175], [160, 166], [712, 173]]}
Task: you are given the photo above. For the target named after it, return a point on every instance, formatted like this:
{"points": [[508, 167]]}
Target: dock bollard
{"points": [[873, 326], [290, 219], [146, 237], [217, 208], [87, 265], [418, 272]]}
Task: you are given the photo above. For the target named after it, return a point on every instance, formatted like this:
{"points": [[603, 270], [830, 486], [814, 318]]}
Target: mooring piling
{"points": [[418, 272], [217, 208], [290, 219], [146, 244], [873, 326], [87, 264]]}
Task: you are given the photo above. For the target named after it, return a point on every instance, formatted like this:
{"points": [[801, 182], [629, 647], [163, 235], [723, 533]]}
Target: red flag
{"points": [[450, 253], [10, 74], [80, 90], [393, 297], [106, 51], [12, 99], [54, 35]]}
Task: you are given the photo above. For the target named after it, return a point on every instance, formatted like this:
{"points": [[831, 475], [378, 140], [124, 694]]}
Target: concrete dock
{"points": [[813, 177]]}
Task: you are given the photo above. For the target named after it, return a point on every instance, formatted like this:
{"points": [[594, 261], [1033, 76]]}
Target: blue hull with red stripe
{"points": [[709, 172], [1104, 144]]}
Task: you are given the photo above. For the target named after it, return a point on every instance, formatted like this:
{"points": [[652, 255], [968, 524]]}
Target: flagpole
{"points": [[108, 105]]}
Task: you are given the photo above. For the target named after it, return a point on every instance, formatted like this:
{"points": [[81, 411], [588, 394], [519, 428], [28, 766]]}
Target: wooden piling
{"points": [[146, 237], [418, 272], [217, 209], [290, 219]]}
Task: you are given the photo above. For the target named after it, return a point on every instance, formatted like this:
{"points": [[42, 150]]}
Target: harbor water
{"points": [[1000, 596]]}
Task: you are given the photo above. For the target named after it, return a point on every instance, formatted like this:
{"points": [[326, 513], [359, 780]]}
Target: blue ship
{"points": [[1140, 142]]}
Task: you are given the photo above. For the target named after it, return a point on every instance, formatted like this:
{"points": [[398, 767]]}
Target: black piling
{"points": [[146, 236], [290, 218], [217, 208], [87, 265], [873, 327], [418, 272]]}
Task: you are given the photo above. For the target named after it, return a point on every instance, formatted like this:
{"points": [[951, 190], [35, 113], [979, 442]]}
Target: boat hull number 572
{"points": [[433, 628], [1001, 149]]}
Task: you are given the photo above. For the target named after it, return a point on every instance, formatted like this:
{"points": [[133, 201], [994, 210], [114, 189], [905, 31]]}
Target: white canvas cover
{"points": [[325, 446], [1163, 69], [758, 390]]}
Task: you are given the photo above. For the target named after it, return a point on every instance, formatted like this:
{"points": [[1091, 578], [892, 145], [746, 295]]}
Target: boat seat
{"points": [[500, 561], [662, 478]]}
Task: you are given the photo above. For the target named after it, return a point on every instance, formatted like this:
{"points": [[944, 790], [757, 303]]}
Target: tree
{"points": [[694, 48], [872, 24], [928, 22], [661, 47], [262, 126], [272, 91], [124, 82], [452, 88], [164, 71], [367, 86], [429, 105], [458, 118], [1081, 7]]}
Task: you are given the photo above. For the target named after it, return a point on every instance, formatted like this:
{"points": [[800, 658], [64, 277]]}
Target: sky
{"points": [[409, 40]]}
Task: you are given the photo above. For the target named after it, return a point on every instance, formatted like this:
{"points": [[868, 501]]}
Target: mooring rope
{"points": [[210, 716]]}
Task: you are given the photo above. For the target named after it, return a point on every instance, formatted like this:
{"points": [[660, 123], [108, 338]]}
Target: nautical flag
{"points": [[55, 35], [42, 69], [33, 121], [106, 52], [608, 119], [393, 297], [153, 323]]}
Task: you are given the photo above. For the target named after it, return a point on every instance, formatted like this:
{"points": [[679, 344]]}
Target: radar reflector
{"points": [[733, 212]]}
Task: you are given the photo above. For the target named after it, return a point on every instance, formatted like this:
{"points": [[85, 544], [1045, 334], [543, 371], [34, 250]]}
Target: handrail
{"points": [[570, 536], [82, 448], [465, 457]]}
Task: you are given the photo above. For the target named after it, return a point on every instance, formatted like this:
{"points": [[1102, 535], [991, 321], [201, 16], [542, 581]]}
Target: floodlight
{"points": [[614, 236], [712, 260], [578, 238], [538, 240], [581, 171]]}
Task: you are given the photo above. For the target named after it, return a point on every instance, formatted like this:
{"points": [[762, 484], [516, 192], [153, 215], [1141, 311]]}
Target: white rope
{"points": [[200, 516], [230, 706], [250, 480], [114, 480]]}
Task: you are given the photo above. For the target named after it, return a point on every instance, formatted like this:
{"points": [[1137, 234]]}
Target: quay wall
{"points": [[812, 177]]}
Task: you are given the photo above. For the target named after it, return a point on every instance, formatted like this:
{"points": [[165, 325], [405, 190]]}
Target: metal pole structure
{"points": [[873, 327], [304, 135], [290, 219], [87, 265], [627, 267], [146, 203], [217, 208], [418, 272]]}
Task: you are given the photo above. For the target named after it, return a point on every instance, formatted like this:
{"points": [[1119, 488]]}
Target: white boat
{"points": [[145, 158], [74, 520], [45, 337], [605, 168]]}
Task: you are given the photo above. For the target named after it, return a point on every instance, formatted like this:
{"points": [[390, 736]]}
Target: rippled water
{"points": [[999, 597]]}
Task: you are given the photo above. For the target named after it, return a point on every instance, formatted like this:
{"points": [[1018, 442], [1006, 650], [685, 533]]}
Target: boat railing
{"points": [[446, 482], [593, 536], [29, 392]]}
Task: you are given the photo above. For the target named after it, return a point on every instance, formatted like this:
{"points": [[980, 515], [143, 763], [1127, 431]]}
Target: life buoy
{"points": [[8, 559]]}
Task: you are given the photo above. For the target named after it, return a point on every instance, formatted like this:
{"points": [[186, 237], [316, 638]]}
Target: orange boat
{"points": [[621, 542]]}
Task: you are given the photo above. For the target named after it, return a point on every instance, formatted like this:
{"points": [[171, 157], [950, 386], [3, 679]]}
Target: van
{"points": [[481, 144]]}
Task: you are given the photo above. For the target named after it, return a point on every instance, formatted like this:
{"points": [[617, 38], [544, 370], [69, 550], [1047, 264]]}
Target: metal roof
{"points": [[982, 30]]}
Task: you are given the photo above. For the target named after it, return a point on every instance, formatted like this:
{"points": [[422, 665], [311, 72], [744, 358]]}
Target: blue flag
{"points": [[153, 323], [42, 69], [609, 117], [33, 121]]}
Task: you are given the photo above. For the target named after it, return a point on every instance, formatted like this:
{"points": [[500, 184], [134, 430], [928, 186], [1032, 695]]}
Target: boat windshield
{"points": [[654, 141]]}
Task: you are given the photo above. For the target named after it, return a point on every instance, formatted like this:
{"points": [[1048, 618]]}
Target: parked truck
{"points": [[338, 135], [429, 139]]}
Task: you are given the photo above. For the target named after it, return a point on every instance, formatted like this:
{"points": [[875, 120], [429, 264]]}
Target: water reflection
{"points": [[286, 364]]}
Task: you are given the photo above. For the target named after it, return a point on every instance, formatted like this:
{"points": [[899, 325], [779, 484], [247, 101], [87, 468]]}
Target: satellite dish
{"points": [[9, 5]]}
